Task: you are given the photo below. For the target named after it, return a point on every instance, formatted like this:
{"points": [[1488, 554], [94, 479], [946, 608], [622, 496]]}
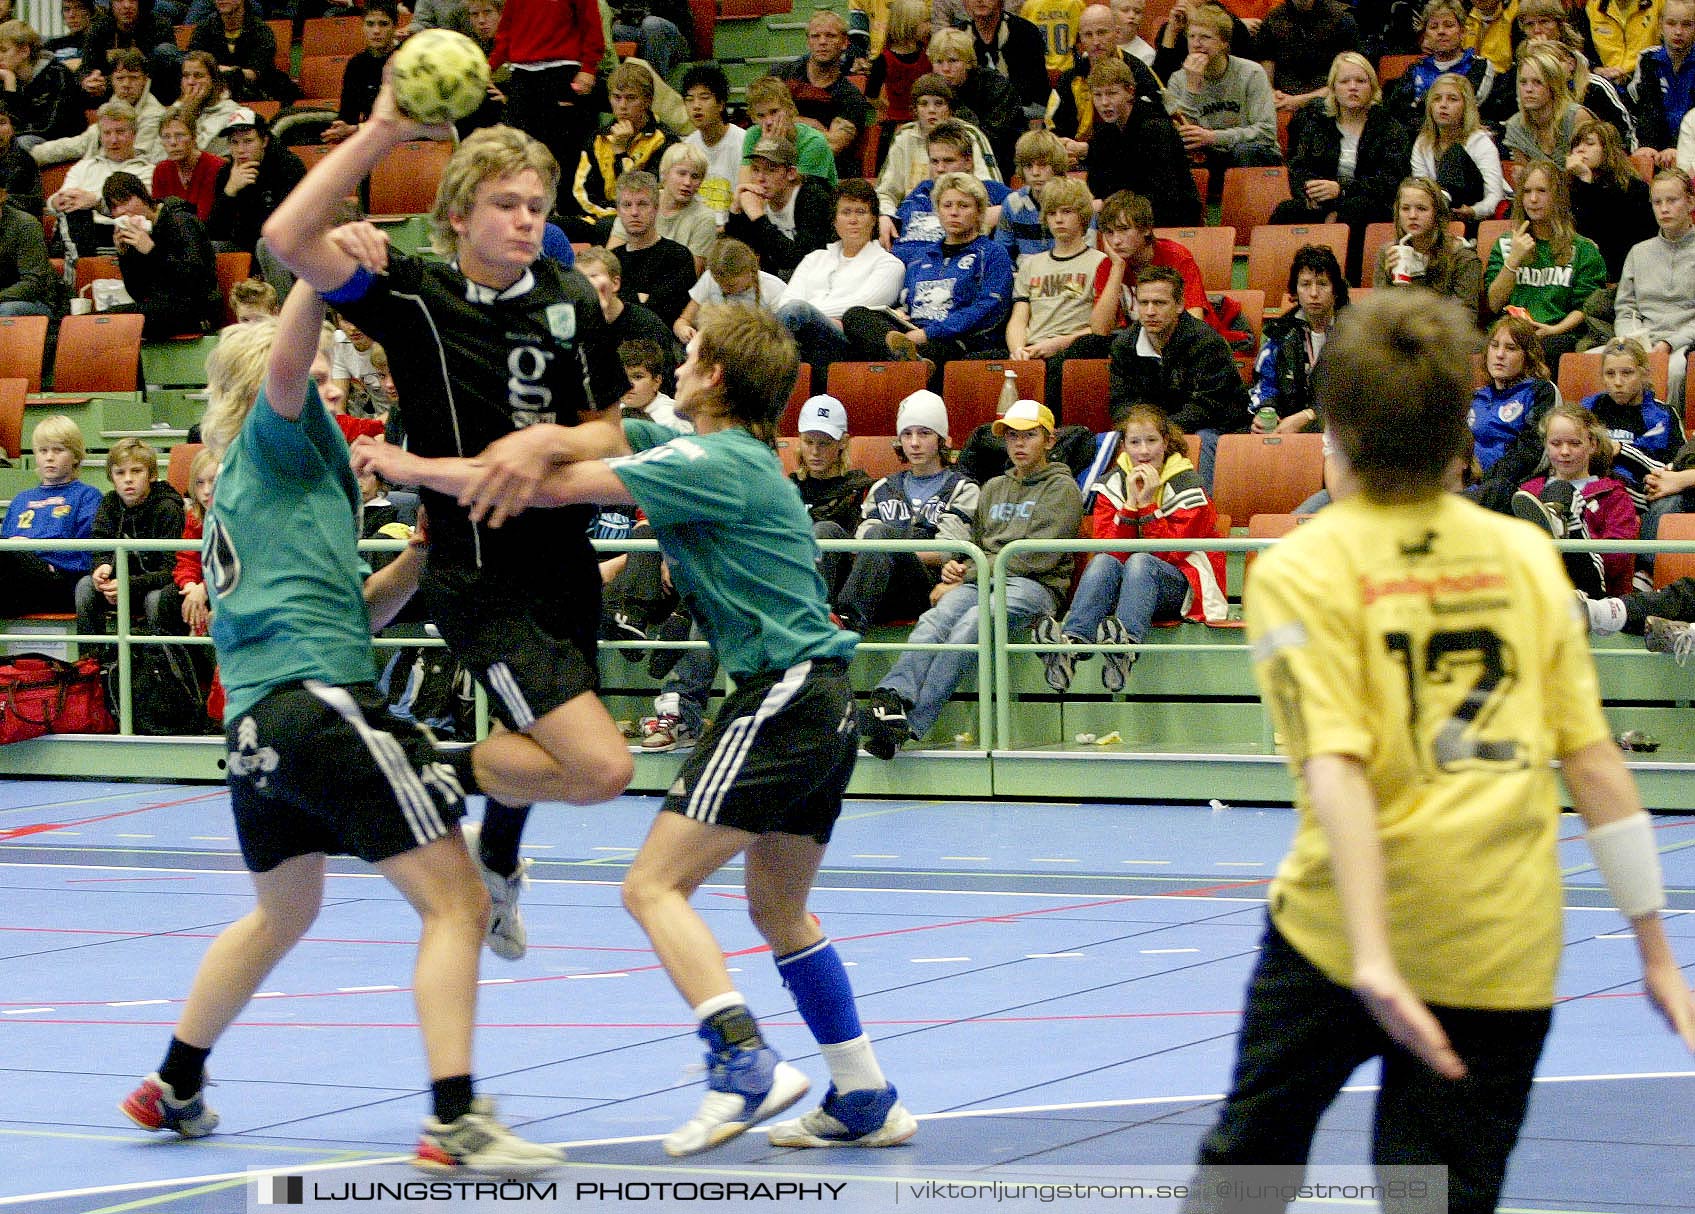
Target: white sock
{"points": [[853, 1065], [719, 1003], [1606, 616]]}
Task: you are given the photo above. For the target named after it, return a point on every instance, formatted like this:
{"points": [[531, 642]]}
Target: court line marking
{"points": [[660, 1165]]}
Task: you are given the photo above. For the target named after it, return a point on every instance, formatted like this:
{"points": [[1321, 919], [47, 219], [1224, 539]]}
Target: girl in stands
{"points": [[1424, 253], [1507, 411], [1577, 499], [1543, 269], [1453, 150]]}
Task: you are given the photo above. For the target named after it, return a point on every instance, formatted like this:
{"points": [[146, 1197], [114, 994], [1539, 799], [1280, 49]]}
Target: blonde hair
{"points": [[768, 90], [631, 78], [683, 153], [727, 257], [1562, 232], [1350, 59], [127, 451], [489, 154], [1549, 62], [906, 18], [968, 185], [1626, 347], [840, 466], [58, 431], [1041, 147], [952, 44], [20, 33], [1067, 193], [118, 110], [1606, 447], [255, 293], [758, 358], [606, 259], [1215, 18], [204, 459], [1429, 136], [235, 371]]}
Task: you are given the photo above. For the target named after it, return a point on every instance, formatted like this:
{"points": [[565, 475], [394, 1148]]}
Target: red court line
{"points": [[112, 931], [19, 832]]}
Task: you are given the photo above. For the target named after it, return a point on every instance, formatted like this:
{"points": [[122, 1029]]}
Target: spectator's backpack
{"points": [[166, 700], [426, 685]]}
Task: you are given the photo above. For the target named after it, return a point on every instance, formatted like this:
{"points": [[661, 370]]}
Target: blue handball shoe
{"points": [[743, 1088]]}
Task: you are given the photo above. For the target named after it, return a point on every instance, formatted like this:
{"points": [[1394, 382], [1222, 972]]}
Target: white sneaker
{"points": [[478, 1143], [744, 1087], [505, 938], [856, 1119]]}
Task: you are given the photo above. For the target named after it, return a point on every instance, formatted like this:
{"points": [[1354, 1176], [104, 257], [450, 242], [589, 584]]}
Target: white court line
{"points": [[580, 1144], [355, 990], [30, 1011]]}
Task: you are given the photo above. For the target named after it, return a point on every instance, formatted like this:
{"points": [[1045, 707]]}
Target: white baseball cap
{"points": [[824, 414], [923, 408]]}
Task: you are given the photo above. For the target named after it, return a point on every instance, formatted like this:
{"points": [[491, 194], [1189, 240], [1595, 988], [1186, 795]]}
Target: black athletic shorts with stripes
{"points": [[779, 756], [316, 767], [530, 641]]}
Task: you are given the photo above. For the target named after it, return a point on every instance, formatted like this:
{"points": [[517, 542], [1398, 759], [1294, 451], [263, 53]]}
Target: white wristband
{"points": [[1624, 852]]}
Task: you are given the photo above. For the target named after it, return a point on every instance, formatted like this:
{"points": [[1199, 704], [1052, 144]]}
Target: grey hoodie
{"points": [[1655, 300], [1046, 505]]}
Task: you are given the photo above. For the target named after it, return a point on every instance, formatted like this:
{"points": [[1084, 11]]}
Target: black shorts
{"points": [[779, 756], [531, 644], [316, 767]]}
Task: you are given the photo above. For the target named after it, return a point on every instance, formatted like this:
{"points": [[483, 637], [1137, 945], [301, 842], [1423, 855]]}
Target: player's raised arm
{"points": [[290, 366], [298, 231]]}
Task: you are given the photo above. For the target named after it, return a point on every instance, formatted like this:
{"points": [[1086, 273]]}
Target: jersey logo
{"points": [[562, 322], [527, 396], [218, 555], [249, 759], [1510, 411], [1421, 548]]}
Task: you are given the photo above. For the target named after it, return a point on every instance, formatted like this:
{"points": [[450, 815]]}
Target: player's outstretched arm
{"points": [[1346, 810], [296, 345], [591, 481], [509, 474], [446, 474], [298, 231], [1622, 840]]}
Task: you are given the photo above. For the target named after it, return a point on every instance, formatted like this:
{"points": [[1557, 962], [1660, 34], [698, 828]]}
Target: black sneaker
{"points": [[885, 728], [676, 627], [1116, 672], [1532, 509]]}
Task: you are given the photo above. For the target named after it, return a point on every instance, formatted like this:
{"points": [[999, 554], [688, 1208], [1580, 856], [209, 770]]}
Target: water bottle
{"points": [[1266, 418], [1009, 393]]}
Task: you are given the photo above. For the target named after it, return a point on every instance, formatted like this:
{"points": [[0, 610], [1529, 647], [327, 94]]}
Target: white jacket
{"points": [[833, 283], [148, 111]]}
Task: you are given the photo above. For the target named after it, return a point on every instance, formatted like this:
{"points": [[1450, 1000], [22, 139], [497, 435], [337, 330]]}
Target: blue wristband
{"points": [[353, 289]]}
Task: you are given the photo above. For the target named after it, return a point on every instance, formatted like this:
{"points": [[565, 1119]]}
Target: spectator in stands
{"points": [[79, 198], [1127, 231], [633, 140], [706, 91], [1489, 29], [19, 177], [1012, 47], [1346, 155], [908, 162], [1036, 499], [1152, 491], [648, 365], [1297, 45], [1041, 158], [245, 50], [657, 271], [772, 108], [1136, 147], [824, 97], [1577, 499], [1071, 108], [61, 507], [26, 276], [183, 608], [129, 83], [852, 271], [1544, 266], [1053, 293], [1283, 374], [980, 96], [205, 101], [482, 17], [626, 320], [40, 91], [1453, 150], [1546, 20], [778, 213], [1130, 40], [1609, 201], [1654, 304], [832, 488], [1057, 21], [74, 16], [1170, 359], [185, 172], [663, 31], [553, 47], [1171, 42], [1663, 86], [1645, 436], [732, 275], [928, 499], [914, 226], [1424, 253], [896, 70], [1442, 35], [1506, 412], [1621, 30], [363, 75], [681, 215], [353, 370], [1547, 115], [258, 176], [452, 15], [139, 507], [166, 260], [253, 299], [868, 24], [1220, 102], [128, 25], [956, 295]]}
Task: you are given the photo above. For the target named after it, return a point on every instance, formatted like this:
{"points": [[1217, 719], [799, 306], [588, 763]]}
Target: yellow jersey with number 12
{"points": [[1441, 646]]}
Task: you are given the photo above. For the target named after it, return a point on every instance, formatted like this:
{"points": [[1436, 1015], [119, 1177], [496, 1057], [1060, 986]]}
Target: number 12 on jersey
{"points": [[1481, 667]]}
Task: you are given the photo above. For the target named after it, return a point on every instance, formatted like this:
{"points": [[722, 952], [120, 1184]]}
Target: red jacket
{"points": [[1182, 511], [535, 31], [188, 570], [1608, 514]]}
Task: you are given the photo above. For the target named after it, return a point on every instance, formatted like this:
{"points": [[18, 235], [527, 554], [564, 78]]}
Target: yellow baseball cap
{"points": [[1025, 415]]}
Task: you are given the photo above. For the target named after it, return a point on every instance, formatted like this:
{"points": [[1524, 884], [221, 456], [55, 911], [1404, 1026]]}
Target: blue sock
{"points": [[824, 997]]}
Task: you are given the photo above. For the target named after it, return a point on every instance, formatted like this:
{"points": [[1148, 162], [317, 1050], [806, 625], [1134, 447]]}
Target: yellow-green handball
{"points": [[439, 75]]}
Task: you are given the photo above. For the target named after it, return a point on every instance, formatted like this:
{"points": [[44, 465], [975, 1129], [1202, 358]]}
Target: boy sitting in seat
{"points": [[60, 508], [139, 507]]}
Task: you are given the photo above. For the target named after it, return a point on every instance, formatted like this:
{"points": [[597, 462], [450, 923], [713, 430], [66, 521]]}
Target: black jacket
{"points": [[1315, 148], [239, 220], [103, 39], [50, 103], [1301, 45], [1194, 380], [990, 100], [21, 180], [255, 50], [815, 227], [1145, 155], [1023, 59], [25, 273], [176, 285], [158, 516]]}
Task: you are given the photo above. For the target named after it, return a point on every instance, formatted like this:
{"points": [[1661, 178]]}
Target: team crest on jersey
{"points": [[249, 759], [969, 260], [1510, 411], [562, 321]]}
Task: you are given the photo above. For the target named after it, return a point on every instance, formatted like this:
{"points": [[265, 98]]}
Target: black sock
{"points": [[184, 1068], [733, 1028], [503, 830], [459, 759], [451, 1098]]}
